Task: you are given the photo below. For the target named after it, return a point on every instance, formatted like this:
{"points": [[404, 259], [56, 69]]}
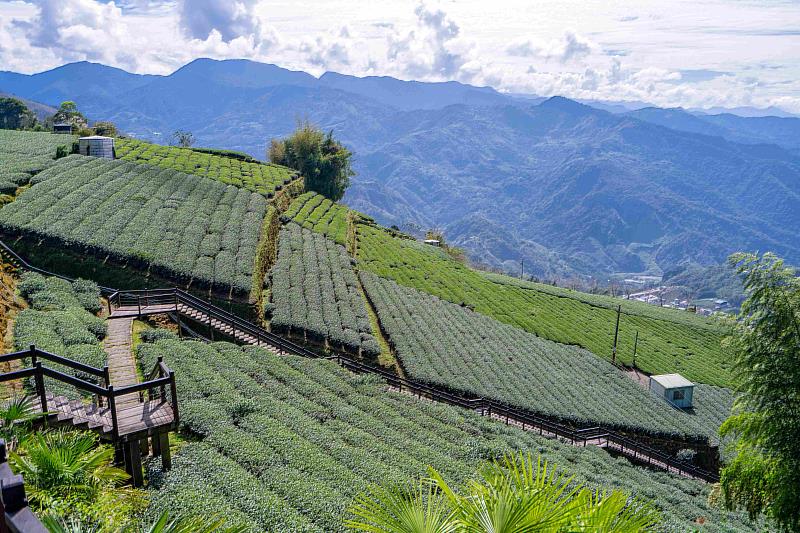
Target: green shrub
{"points": [[315, 290], [288, 442], [164, 221], [669, 341], [225, 166], [154, 335], [58, 322]]}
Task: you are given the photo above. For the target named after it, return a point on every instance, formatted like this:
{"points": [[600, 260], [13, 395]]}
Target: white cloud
{"points": [[330, 51], [751, 48], [230, 18], [570, 46], [433, 48], [78, 30]]}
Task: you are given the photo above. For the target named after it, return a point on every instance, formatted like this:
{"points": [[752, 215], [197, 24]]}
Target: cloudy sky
{"points": [[691, 53]]}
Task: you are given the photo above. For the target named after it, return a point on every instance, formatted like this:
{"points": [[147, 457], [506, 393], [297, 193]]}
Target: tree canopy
{"points": [[68, 114], [764, 477], [322, 160], [108, 129], [183, 138], [15, 115]]}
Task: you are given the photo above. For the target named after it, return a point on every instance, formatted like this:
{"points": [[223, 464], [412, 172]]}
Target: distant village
{"points": [[674, 297]]}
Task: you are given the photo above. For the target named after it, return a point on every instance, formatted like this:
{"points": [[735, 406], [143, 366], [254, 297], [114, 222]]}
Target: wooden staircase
{"points": [[126, 416], [215, 321], [64, 411]]}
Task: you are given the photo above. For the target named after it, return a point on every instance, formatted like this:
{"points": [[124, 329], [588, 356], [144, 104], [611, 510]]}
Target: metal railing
{"points": [[529, 421], [183, 302], [216, 318], [154, 388], [21, 263]]}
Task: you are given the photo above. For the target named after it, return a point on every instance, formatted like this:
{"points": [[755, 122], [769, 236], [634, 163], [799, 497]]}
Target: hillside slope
{"points": [[285, 443], [566, 187]]}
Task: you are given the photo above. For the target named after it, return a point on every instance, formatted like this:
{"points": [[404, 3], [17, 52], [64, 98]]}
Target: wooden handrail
{"points": [[17, 374], [77, 382], [38, 371], [27, 266], [33, 351], [145, 385]]}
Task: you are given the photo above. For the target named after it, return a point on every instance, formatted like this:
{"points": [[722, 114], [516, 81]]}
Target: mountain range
{"points": [[567, 187]]}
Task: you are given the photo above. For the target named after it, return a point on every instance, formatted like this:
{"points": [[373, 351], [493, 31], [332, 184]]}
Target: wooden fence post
{"points": [[39, 378]]}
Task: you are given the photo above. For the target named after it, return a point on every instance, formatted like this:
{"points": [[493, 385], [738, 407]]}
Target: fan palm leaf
{"points": [[398, 509], [65, 464]]}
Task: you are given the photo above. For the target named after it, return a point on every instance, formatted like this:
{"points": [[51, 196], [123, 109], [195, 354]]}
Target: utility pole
{"points": [[616, 336], [635, 345], [522, 273]]}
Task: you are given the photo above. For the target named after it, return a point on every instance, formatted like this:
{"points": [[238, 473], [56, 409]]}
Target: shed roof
{"points": [[672, 381], [93, 137]]}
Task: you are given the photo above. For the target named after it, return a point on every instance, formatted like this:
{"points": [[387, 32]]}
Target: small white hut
{"points": [[674, 388], [97, 146]]}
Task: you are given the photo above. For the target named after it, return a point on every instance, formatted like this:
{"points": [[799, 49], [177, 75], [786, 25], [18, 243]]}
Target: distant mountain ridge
{"points": [[566, 187]]}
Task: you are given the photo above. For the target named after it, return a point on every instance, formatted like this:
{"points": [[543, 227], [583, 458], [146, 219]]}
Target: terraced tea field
{"points": [[285, 444], [61, 319], [176, 224], [684, 343], [447, 345], [23, 153], [315, 292], [263, 178], [315, 212]]}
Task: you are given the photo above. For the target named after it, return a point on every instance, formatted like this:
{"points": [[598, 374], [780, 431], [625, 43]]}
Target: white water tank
{"points": [[96, 146]]}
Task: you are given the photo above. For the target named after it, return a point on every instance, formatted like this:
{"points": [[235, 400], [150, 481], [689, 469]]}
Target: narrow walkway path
{"points": [[121, 364]]}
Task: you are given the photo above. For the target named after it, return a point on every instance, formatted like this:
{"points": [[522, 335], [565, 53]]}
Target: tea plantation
{"points": [[285, 443], [315, 212], [676, 342], [315, 292], [61, 320], [23, 153], [171, 222], [231, 169], [445, 344]]}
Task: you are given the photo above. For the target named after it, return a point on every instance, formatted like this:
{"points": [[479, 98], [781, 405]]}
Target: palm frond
{"points": [[415, 509]]}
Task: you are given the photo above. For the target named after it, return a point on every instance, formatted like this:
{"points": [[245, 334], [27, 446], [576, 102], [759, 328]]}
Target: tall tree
{"points": [[68, 114], [15, 115], [183, 138], [322, 160], [764, 477]]}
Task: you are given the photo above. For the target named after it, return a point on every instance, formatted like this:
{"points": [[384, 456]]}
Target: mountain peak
{"points": [[565, 104]]}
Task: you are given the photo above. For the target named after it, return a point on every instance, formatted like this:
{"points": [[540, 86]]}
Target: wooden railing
{"points": [[17, 517], [141, 299], [529, 421], [20, 263], [154, 388]]}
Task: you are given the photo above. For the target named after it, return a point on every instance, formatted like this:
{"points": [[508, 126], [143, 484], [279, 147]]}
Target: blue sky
{"points": [[699, 53]]}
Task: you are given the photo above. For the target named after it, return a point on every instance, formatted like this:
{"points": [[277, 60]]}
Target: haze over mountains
{"points": [[567, 187]]}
